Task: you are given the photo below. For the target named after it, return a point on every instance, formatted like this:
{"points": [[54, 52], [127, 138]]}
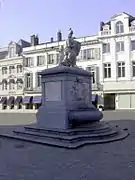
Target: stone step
{"points": [[119, 136], [71, 138], [78, 131]]}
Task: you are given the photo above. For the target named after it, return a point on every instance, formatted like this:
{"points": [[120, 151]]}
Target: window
{"points": [[29, 62], [84, 54], [80, 56], [19, 68], [132, 45], [38, 80], [119, 46], [11, 84], [19, 83], [121, 69], [133, 68], [107, 70], [106, 48], [90, 53], [4, 85], [28, 80], [57, 58], [51, 59], [40, 60], [92, 70], [4, 70], [11, 69], [119, 27], [11, 52]]}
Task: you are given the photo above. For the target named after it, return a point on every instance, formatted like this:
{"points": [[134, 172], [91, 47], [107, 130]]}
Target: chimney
{"points": [[59, 36], [51, 39], [101, 25], [34, 40]]}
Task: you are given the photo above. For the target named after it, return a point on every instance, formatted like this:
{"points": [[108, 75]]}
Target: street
{"points": [[26, 161]]}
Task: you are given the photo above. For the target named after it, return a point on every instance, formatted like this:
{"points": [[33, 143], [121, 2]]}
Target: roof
{"points": [[3, 53], [23, 43], [121, 13]]}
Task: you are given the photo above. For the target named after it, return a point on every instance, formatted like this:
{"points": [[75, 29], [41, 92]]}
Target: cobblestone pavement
{"points": [[25, 161]]}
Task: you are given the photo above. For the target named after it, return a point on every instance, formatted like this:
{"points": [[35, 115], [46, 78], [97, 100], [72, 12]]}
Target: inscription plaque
{"points": [[53, 91]]}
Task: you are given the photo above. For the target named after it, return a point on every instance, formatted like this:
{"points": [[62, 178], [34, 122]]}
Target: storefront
{"points": [[37, 100], [28, 102], [95, 100], [18, 102], [4, 102], [125, 101], [11, 102]]}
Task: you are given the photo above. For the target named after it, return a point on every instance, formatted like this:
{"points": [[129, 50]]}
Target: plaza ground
{"points": [[26, 161]]}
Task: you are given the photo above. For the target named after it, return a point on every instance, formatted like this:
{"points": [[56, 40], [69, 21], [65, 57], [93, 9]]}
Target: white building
{"points": [[118, 61], [109, 55], [11, 76]]}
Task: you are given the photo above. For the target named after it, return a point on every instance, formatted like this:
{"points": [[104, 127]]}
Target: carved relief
{"points": [[80, 91]]}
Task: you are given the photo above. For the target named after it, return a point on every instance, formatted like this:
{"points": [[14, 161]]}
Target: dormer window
{"points": [[106, 28], [133, 23], [11, 52], [119, 27]]}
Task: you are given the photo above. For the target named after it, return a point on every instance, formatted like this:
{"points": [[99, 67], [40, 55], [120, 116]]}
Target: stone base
{"points": [[94, 133]]}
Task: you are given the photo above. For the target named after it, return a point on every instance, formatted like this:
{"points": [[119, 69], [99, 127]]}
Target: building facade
{"points": [[109, 55], [12, 76], [118, 61]]}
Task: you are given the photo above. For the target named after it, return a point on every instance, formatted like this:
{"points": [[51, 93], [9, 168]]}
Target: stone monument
{"points": [[67, 92], [67, 117]]}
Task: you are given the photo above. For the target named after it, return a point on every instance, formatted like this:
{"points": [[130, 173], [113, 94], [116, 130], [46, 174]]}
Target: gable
{"points": [[123, 14]]}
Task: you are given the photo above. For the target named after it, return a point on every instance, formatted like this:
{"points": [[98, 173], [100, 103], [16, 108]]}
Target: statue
{"points": [[71, 51]]}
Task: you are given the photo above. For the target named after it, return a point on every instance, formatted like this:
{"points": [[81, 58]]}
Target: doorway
{"points": [[109, 101]]}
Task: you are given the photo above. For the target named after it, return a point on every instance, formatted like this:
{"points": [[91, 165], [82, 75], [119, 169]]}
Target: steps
{"points": [[99, 132]]}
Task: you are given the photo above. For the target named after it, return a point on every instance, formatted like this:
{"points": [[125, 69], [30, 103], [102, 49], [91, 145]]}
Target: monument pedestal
{"points": [[67, 98], [67, 117]]}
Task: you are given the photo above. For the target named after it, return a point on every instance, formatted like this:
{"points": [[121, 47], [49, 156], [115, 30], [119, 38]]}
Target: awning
{"points": [[94, 97], [18, 100], [11, 100], [27, 99], [37, 99], [4, 100]]}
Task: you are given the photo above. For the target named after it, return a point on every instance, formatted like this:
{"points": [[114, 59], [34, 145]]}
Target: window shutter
{"points": [[31, 80], [36, 79], [97, 54], [24, 62], [25, 81], [32, 61]]}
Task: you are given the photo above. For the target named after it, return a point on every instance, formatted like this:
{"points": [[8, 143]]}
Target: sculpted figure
{"points": [[71, 51]]}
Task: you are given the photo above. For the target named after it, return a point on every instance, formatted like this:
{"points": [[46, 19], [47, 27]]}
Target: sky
{"points": [[19, 19]]}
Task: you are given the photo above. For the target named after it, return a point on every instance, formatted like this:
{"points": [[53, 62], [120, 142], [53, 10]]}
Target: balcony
{"points": [[132, 29], [106, 33], [28, 89]]}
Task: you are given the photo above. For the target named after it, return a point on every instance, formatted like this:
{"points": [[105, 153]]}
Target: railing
{"points": [[38, 89], [28, 89], [106, 33], [132, 28]]}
